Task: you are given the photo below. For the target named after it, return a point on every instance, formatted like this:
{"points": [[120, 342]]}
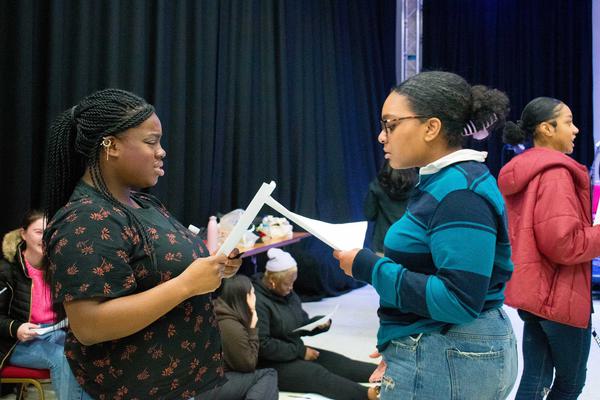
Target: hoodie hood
{"points": [[516, 175], [223, 311]]}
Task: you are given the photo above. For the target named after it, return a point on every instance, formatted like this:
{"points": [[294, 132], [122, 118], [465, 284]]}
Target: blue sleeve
{"points": [[463, 233], [381, 272], [462, 240]]}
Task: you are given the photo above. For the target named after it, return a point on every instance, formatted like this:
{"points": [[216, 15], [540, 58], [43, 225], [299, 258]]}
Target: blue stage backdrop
{"points": [[526, 48]]}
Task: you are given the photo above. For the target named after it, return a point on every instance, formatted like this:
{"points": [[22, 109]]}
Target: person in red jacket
{"points": [[547, 197]]}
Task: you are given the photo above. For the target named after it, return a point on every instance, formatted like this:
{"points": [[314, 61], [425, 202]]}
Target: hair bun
{"points": [[513, 133], [488, 103]]}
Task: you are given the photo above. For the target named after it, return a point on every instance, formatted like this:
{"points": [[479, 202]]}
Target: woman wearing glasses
{"points": [[447, 260], [548, 201]]}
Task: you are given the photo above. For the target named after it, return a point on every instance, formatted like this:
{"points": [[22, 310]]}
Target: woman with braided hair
{"points": [[134, 283]]}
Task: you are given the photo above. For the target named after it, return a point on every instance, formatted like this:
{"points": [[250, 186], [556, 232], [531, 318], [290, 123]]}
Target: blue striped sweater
{"points": [[446, 260]]}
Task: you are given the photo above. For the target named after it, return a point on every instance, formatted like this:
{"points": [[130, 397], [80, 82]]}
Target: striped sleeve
{"points": [[463, 239]]}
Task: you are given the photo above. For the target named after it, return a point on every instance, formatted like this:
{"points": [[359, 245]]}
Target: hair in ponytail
{"points": [[450, 98], [538, 110]]}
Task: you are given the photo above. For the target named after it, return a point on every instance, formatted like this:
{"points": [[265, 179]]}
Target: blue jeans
{"points": [[548, 348], [47, 352], [476, 360]]}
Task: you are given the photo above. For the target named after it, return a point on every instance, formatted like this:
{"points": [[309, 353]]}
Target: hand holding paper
{"points": [[315, 324], [346, 259], [58, 325]]}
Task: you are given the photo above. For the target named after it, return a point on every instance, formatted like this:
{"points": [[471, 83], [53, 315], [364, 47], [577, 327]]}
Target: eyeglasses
{"points": [[387, 128]]}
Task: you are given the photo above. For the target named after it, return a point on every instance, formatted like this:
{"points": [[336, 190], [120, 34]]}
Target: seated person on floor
{"points": [[236, 314], [300, 368]]}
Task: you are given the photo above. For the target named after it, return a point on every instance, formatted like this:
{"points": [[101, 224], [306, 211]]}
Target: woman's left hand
{"points": [[233, 263], [346, 258]]}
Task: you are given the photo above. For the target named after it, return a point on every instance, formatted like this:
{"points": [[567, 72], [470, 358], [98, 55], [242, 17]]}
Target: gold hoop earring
{"points": [[106, 143]]}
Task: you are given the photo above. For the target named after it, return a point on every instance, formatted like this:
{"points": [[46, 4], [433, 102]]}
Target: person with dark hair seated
{"points": [[300, 368], [236, 312], [26, 305]]}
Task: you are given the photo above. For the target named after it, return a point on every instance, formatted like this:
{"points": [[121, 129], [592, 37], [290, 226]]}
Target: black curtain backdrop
{"points": [[527, 48], [247, 91]]}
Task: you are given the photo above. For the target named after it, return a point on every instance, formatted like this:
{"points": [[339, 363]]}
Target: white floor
{"points": [[355, 326]]}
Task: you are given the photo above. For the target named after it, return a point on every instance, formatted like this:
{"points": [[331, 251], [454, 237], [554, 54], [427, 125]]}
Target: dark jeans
{"points": [[258, 385], [331, 375], [548, 348]]}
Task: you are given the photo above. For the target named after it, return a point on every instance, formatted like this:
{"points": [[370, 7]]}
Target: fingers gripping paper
{"points": [[337, 236]]}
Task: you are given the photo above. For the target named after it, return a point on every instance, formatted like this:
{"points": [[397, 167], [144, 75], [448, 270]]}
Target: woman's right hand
{"points": [[204, 275], [25, 332], [311, 354]]}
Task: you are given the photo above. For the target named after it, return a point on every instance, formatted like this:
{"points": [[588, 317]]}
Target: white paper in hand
{"points": [[317, 323], [337, 236], [57, 326], [247, 217]]}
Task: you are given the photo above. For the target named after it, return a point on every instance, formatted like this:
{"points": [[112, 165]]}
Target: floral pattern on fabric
{"points": [[95, 251]]}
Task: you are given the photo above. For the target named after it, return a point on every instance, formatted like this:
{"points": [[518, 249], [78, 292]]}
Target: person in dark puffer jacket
{"points": [[25, 305], [300, 368]]}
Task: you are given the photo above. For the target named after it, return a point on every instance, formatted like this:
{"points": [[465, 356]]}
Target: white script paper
{"points": [[319, 322], [57, 326], [337, 236], [247, 217]]}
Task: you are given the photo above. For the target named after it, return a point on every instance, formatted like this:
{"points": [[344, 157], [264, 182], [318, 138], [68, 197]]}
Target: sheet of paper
{"points": [[320, 321], [307, 396], [59, 325], [337, 236], [247, 217], [597, 216]]}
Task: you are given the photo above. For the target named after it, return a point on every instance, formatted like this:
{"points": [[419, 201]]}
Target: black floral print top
{"points": [[96, 251]]}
